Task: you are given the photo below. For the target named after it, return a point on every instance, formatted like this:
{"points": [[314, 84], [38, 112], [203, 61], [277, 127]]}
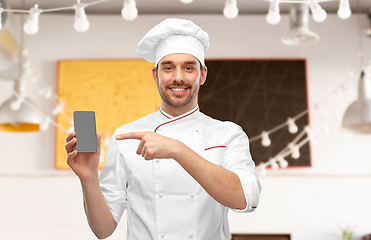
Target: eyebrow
{"points": [[190, 62], [165, 62]]}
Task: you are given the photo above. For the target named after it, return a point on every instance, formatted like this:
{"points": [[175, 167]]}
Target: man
{"points": [[176, 171]]}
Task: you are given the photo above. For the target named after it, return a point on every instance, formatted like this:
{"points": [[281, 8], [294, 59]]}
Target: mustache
{"points": [[179, 84]]}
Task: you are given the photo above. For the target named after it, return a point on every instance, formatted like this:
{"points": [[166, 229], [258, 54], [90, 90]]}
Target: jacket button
{"points": [[190, 235], [192, 196], [162, 235], [160, 195]]}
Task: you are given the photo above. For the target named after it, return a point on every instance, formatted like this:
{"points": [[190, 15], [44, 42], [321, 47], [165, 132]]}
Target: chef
{"points": [[177, 172]]}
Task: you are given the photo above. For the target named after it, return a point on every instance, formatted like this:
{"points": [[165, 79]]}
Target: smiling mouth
{"points": [[179, 90]]}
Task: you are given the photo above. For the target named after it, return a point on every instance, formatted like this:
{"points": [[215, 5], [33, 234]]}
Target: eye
{"points": [[168, 68], [189, 68]]}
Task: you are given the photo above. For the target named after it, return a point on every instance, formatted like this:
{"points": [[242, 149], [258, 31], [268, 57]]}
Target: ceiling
{"points": [[177, 7]]}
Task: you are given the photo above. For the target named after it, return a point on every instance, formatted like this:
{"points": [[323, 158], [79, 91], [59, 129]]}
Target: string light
{"points": [[344, 11], [46, 92], [295, 154], [44, 126], [58, 108], [230, 10], [282, 162], [102, 155], [31, 26], [81, 21], [319, 15], [129, 11], [273, 163], [16, 104], [265, 139], [262, 170], [106, 140], [273, 16], [309, 132], [292, 126]]}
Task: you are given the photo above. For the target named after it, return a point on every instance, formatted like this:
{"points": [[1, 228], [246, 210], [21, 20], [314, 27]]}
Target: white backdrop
{"points": [[38, 202]]}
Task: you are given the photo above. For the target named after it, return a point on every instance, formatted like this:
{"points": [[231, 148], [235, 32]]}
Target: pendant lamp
{"points": [[299, 32], [15, 113], [357, 117]]}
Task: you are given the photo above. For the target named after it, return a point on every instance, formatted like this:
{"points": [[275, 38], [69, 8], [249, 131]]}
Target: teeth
{"points": [[178, 89]]}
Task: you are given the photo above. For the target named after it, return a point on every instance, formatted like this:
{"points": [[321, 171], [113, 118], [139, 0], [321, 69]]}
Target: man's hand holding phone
{"points": [[84, 164], [83, 158]]}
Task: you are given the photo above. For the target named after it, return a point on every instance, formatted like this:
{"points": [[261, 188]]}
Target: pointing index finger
{"points": [[131, 135]]}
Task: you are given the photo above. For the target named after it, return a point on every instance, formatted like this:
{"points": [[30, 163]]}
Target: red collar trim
{"points": [[164, 114], [176, 119]]}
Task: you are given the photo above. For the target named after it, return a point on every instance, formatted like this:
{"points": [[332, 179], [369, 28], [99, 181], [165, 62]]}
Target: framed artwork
{"points": [[118, 91], [259, 95]]}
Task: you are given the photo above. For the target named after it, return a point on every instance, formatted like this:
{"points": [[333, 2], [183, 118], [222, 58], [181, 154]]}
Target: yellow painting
{"points": [[118, 91]]}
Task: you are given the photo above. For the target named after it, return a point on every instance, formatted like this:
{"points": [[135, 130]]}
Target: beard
{"points": [[175, 101]]}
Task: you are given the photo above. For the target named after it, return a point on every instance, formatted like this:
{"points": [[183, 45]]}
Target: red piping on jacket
{"points": [[215, 147], [176, 119], [163, 114]]}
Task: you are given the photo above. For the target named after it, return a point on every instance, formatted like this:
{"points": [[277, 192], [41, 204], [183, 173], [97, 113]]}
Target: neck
{"points": [[174, 112]]}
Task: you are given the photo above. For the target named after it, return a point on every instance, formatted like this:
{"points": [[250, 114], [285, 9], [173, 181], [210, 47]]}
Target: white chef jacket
{"points": [[162, 200]]}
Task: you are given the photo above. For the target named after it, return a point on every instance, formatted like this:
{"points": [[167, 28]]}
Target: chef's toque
{"points": [[174, 36]]}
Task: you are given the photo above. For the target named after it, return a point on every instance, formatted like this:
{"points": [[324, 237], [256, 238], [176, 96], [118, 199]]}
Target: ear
{"points": [[203, 75], [154, 75]]}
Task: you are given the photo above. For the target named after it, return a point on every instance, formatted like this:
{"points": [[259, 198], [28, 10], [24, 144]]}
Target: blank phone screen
{"points": [[86, 135]]}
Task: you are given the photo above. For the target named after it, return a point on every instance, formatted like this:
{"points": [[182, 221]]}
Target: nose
{"points": [[178, 75]]}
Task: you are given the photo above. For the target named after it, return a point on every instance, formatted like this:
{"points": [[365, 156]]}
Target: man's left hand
{"points": [[153, 145]]}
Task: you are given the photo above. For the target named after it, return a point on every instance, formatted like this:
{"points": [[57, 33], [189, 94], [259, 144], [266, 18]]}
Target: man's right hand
{"points": [[84, 164]]}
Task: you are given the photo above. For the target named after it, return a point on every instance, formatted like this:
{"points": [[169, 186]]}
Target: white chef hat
{"points": [[174, 36]]}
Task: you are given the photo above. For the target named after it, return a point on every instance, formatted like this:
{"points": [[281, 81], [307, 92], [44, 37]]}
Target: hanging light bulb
{"points": [[230, 10], [81, 21], [31, 26], [344, 11], [319, 15], [70, 129], [292, 126], [273, 163], [58, 108], [16, 105], [46, 92], [309, 132], [129, 11], [273, 16], [265, 139], [262, 170], [186, 1], [282, 162], [295, 154], [102, 155], [44, 126], [1, 11], [106, 139]]}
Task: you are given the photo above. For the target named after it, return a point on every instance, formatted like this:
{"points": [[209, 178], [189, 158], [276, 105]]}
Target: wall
{"points": [[38, 202]]}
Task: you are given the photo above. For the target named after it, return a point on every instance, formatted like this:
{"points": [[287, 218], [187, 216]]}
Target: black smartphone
{"points": [[86, 134]]}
